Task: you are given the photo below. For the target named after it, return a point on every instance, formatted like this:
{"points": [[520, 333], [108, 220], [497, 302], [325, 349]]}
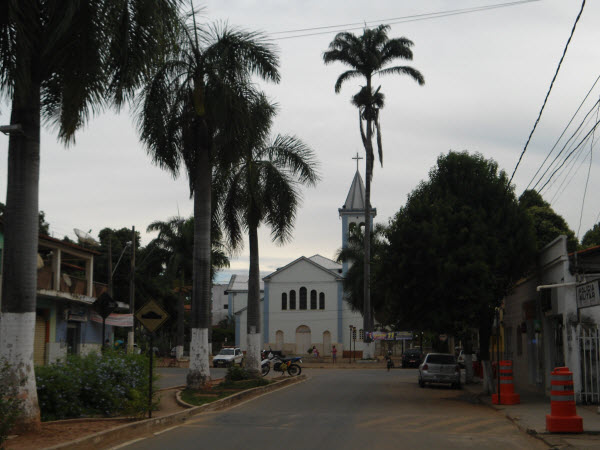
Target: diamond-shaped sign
{"points": [[152, 316]]}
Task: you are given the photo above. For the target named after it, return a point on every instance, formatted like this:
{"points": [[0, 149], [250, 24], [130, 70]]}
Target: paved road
{"points": [[350, 409]]}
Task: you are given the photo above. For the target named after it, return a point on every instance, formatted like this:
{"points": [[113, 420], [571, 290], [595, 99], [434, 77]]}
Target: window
{"points": [[361, 334], [283, 301], [292, 299], [302, 298], [322, 300], [225, 306], [313, 299]]}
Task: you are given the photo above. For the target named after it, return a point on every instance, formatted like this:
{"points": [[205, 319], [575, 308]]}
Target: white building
{"points": [[220, 306], [303, 304]]}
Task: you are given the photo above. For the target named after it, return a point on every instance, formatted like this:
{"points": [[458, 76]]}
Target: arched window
{"points": [[313, 299], [284, 301], [361, 334], [322, 300], [302, 298], [292, 299]]}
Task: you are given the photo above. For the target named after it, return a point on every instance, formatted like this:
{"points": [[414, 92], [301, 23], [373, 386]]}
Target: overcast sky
{"points": [[486, 74]]}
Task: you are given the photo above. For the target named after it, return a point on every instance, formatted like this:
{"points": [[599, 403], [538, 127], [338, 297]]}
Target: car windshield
{"points": [[226, 351], [440, 359]]}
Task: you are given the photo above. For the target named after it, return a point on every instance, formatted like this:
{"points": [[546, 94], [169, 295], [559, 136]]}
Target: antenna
{"points": [[84, 237]]}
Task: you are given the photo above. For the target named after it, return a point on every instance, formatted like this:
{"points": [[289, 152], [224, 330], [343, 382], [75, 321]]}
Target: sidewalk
{"points": [[530, 417]]}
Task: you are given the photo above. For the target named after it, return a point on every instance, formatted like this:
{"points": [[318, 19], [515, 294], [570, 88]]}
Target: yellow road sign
{"points": [[152, 316]]}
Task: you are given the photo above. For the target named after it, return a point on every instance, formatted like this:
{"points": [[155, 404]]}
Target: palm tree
{"points": [[189, 116], [176, 239], [264, 189], [368, 55], [60, 62]]}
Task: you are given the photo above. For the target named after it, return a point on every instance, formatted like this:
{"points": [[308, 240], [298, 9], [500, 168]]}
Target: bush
{"points": [[109, 384], [235, 373], [10, 403]]}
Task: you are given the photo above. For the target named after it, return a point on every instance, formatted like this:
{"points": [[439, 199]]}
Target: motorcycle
{"points": [[282, 365]]}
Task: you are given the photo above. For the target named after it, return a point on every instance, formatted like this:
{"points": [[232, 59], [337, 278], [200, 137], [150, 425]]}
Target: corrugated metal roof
{"points": [[239, 283], [325, 262]]}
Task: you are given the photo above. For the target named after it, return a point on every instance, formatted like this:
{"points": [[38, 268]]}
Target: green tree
{"points": [[591, 238], [44, 227], [176, 240], [457, 247], [264, 188], [548, 224], [354, 279], [190, 115], [60, 62], [368, 55]]}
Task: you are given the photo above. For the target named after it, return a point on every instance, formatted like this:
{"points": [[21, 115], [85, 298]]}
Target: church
{"points": [[303, 302]]}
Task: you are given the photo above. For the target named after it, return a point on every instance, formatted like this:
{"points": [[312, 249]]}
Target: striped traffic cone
{"points": [[507, 388], [563, 417]]}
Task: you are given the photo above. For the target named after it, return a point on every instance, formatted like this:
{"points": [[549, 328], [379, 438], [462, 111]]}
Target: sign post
{"points": [[152, 317]]}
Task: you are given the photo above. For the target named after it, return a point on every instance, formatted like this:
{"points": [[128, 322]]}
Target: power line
{"points": [[587, 178], [395, 20], [561, 135], [548, 93]]}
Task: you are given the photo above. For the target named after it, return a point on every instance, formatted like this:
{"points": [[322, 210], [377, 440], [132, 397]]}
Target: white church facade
{"points": [[303, 303]]}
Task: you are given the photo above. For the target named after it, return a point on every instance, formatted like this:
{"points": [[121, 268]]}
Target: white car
{"points": [[461, 359], [228, 356]]}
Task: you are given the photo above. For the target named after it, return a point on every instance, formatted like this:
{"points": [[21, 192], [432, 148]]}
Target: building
{"points": [[551, 320], [65, 322], [303, 303]]}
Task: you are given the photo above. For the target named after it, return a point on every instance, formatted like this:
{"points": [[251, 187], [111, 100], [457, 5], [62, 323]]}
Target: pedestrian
{"points": [[315, 352], [333, 354]]}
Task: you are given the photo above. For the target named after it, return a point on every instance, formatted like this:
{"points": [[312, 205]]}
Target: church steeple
{"points": [[353, 211]]}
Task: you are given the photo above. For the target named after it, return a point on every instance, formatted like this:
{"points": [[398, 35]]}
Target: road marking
{"points": [[128, 443], [442, 423], [477, 424], [166, 429]]}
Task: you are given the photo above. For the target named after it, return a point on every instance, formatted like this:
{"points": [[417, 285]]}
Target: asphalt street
{"points": [[350, 409]]}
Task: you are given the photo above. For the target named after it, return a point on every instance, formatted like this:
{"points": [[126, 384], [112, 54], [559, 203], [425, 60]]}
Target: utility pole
{"points": [[110, 269], [131, 334]]}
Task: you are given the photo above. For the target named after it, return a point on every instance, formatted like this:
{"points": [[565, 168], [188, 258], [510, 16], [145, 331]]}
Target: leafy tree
{"points": [[44, 227], [176, 240], [189, 117], [368, 55], [60, 62], [263, 188], [592, 237], [548, 224], [457, 247], [354, 279]]}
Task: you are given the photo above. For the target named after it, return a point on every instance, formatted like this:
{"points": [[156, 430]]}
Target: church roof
{"points": [[356, 194], [329, 264], [319, 261], [239, 283]]}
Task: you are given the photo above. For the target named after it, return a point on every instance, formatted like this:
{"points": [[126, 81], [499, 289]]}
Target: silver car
{"points": [[439, 368]]}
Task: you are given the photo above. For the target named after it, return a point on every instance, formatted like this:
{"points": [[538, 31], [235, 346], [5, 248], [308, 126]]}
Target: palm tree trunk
{"points": [[180, 313], [199, 372], [367, 316], [19, 281], [254, 340]]}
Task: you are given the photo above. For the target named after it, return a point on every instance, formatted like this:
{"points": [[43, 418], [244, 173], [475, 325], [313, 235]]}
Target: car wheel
{"points": [[421, 383]]}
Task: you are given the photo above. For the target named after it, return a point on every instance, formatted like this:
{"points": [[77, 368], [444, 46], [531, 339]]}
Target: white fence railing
{"points": [[589, 347]]}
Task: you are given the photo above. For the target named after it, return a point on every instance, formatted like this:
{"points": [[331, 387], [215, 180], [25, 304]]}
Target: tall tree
{"points": [[592, 237], [457, 247], [368, 55], [264, 188], [190, 115], [60, 62], [176, 239]]}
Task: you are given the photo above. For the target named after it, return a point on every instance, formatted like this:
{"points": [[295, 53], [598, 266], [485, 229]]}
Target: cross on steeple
{"points": [[357, 158]]}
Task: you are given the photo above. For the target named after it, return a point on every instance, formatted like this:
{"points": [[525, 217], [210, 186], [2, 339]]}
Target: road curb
{"points": [[123, 433]]}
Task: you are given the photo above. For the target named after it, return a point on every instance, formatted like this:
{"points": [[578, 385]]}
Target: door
{"points": [[327, 343], [303, 340], [279, 340]]}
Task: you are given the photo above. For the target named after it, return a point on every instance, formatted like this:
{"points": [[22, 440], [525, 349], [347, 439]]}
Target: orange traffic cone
{"points": [[563, 417], [507, 388]]}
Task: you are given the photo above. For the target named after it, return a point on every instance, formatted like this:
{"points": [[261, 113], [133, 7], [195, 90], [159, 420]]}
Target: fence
{"points": [[589, 340]]}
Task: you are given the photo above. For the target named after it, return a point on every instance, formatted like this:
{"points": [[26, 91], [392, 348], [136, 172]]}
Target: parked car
{"points": [[439, 368], [228, 356], [412, 357], [461, 359]]}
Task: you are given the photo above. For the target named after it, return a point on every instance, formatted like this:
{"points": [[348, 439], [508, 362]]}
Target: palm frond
{"points": [[404, 70]]}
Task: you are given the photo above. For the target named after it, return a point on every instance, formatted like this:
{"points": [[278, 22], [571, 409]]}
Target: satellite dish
{"points": [[40, 262], [84, 237]]}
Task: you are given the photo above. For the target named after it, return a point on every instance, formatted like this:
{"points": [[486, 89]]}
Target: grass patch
{"points": [[225, 389]]}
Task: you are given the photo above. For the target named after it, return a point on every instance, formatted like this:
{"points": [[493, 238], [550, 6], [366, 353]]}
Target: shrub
{"points": [[109, 384], [10, 403], [235, 373]]}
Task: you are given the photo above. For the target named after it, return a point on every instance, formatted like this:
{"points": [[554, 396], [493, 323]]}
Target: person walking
{"points": [[333, 354]]}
